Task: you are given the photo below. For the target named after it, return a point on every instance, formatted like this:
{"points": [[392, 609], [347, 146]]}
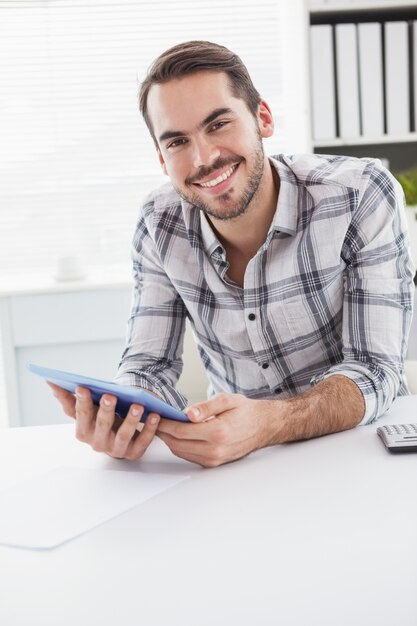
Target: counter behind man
{"points": [[294, 272]]}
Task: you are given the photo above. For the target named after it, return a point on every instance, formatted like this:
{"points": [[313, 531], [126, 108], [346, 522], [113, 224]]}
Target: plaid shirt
{"points": [[329, 292]]}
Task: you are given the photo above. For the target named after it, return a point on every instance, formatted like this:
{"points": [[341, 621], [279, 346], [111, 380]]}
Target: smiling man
{"points": [[293, 271]]}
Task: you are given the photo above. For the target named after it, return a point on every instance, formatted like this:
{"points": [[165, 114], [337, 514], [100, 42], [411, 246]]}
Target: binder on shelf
{"points": [[415, 74], [396, 78], [322, 82], [347, 80], [371, 79]]}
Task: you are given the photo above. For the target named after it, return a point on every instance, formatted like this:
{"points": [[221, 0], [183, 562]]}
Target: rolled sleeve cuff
{"points": [[361, 377], [153, 383]]}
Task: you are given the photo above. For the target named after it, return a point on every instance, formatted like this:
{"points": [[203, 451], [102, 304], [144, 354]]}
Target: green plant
{"points": [[408, 181]]}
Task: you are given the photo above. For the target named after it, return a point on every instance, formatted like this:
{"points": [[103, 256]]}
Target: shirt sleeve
{"points": [[152, 358], [378, 294]]}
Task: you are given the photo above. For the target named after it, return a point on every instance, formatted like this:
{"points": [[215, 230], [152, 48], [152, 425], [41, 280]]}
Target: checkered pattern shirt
{"points": [[329, 292]]}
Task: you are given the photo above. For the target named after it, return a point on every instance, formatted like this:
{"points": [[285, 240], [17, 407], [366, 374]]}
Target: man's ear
{"points": [[161, 160], [265, 119]]}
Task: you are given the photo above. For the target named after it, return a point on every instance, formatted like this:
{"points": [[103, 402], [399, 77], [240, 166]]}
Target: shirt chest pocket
{"points": [[311, 319]]}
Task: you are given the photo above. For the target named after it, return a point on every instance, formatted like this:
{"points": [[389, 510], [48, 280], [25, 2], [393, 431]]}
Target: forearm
{"points": [[333, 405]]}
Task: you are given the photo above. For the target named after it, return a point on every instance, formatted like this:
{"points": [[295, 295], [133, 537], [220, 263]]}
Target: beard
{"points": [[228, 209]]}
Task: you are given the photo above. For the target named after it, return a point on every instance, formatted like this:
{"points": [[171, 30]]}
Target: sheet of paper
{"points": [[52, 508]]}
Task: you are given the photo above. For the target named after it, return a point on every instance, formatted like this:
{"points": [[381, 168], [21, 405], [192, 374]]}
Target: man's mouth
{"points": [[219, 179]]}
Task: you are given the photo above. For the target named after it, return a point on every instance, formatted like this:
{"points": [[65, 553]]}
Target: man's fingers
{"points": [[138, 447], [180, 444], [220, 403], [182, 430], [200, 452], [85, 413], [127, 430], [65, 398], [103, 437]]}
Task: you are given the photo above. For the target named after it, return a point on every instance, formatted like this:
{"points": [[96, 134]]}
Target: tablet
{"points": [[125, 395]]}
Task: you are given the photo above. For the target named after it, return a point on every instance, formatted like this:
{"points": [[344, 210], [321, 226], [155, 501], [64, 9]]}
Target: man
{"points": [[293, 271]]}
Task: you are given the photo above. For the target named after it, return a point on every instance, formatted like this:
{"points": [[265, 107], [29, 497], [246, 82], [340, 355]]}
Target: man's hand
{"points": [[238, 426], [102, 429]]}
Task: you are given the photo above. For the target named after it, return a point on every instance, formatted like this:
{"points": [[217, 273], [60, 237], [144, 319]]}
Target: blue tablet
{"points": [[125, 395]]}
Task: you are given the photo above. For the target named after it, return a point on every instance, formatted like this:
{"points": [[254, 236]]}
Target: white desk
{"points": [[321, 532]]}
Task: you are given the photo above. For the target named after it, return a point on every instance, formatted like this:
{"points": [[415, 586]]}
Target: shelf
{"points": [[357, 7], [365, 141], [357, 13], [97, 278]]}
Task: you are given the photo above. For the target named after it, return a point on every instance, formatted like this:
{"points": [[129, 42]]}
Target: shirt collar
{"points": [[210, 241], [286, 215]]}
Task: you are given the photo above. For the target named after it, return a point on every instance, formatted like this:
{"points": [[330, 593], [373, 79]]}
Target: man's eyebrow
{"points": [[216, 113], [171, 134]]}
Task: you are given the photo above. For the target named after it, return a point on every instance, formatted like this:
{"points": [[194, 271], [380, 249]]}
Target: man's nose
{"points": [[205, 152]]}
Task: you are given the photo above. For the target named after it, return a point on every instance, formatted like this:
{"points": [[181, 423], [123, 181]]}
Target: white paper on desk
{"points": [[52, 508]]}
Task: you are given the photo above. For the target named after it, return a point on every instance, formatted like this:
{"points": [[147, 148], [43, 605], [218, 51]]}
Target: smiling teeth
{"points": [[219, 179]]}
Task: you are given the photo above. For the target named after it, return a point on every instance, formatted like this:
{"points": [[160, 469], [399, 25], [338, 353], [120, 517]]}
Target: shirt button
{"points": [[251, 316], [265, 366], [278, 390]]}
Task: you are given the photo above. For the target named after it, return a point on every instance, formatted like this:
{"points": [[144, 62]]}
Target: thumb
{"points": [[211, 408]]}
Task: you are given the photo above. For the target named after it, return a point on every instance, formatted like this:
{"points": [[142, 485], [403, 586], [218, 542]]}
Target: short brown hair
{"points": [[196, 56]]}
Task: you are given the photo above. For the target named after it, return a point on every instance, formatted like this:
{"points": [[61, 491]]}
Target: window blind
{"points": [[75, 155]]}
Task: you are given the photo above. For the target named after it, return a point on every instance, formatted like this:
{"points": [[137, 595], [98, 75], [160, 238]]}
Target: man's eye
{"points": [[218, 125], [176, 143]]}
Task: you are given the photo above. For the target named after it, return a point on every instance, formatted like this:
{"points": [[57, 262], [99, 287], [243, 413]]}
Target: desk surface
{"points": [[321, 532]]}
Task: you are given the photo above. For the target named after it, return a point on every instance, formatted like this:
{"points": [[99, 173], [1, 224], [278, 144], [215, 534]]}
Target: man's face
{"points": [[209, 143]]}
